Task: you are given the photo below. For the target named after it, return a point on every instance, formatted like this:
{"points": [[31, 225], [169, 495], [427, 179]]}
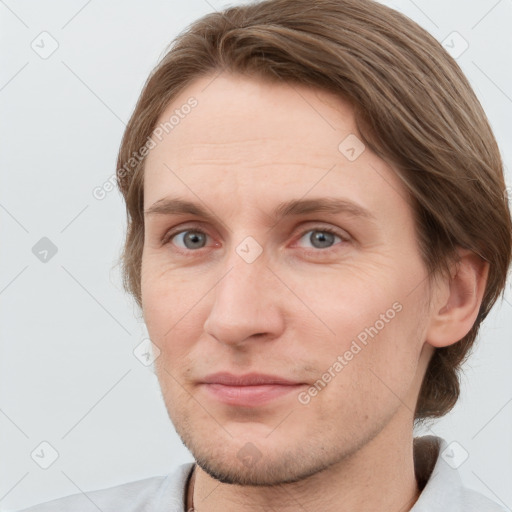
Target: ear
{"points": [[457, 301]]}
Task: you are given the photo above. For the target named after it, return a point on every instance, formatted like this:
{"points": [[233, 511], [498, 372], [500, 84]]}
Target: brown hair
{"points": [[413, 107]]}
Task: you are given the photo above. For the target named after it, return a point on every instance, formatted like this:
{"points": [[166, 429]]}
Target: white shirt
{"points": [[443, 491]]}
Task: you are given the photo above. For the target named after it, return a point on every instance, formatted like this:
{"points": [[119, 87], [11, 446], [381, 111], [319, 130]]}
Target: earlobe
{"points": [[458, 301]]}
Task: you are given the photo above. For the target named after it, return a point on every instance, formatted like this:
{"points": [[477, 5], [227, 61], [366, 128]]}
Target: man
{"points": [[309, 188]]}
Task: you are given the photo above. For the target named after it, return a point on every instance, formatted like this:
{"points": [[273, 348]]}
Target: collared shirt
{"points": [[440, 484]]}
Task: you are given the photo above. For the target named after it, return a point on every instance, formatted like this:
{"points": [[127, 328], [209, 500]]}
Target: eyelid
{"points": [[329, 229], [313, 226], [180, 229]]}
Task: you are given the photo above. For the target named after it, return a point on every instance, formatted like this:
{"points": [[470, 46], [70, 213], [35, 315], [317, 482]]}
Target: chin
{"points": [[242, 463]]}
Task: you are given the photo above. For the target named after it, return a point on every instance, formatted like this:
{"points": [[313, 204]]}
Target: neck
{"points": [[380, 476]]}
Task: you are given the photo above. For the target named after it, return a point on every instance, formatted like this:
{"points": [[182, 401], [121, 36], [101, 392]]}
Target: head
{"points": [[264, 116]]}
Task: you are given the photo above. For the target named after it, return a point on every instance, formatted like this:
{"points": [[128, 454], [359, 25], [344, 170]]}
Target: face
{"points": [[290, 253]]}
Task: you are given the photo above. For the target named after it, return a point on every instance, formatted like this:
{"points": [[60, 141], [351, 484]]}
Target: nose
{"points": [[246, 304]]}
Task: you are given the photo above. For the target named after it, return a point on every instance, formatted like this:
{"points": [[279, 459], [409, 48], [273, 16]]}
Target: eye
{"points": [[188, 239], [321, 237]]}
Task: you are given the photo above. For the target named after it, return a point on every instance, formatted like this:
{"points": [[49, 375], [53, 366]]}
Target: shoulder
{"points": [[130, 497], [131, 493], [473, 501], [441, 483]]}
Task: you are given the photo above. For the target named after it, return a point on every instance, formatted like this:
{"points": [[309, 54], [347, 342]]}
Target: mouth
{"points": [[250, 390]]}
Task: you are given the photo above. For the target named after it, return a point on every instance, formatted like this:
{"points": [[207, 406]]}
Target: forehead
{"points": [[248, 137], [232, 109]]}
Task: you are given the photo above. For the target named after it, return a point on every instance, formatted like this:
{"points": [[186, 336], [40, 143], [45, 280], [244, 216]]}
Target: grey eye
{"points": [[191, 239], [319, 238]]}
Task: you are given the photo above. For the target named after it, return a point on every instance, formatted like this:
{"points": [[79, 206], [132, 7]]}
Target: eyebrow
{"points": [[177, 206]]}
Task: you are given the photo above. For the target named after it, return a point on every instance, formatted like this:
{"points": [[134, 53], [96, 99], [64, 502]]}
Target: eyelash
{"points": [[170, 235]]}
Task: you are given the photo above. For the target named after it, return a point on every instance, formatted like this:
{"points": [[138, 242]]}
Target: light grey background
{"points": [[68, 375]]}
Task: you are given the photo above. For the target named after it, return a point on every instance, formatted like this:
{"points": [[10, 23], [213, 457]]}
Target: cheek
{"points": [[346, 301], [170, 308], [364, 327], [359, 384]]}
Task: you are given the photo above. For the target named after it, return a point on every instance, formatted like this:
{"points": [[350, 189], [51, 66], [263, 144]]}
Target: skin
{"points": [[246, 147]]}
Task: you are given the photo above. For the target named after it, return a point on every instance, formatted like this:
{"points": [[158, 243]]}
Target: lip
{"points": [[249, 390], [249, 379]]}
